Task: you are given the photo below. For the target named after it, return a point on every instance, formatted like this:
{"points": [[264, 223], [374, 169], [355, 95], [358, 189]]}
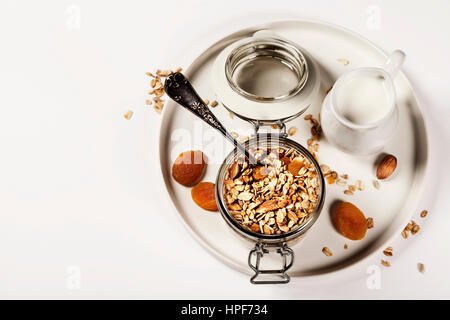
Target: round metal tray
{"points": [[391, 207]]}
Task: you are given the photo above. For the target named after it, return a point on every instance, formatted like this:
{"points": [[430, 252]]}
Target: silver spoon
{"points": [[181, 91]]}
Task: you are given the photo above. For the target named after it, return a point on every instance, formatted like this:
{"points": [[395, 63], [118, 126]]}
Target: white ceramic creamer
{"points": [[359, 115]]}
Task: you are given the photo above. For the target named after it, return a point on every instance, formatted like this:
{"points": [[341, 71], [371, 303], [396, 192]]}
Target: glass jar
{"points": [[260, 108], [264, 243]]}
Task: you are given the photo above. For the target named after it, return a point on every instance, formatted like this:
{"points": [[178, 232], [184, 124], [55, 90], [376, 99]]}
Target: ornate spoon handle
{"points": [[181, 91]]}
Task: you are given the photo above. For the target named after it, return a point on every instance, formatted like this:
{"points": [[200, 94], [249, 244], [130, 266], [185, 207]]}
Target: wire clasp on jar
{"points": [[262, 248]]}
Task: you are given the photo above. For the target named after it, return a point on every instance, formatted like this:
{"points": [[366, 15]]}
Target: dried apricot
{"points": [[204, 196], [189, 167], [295, 165], [350, 221], [261, 172], [285, 161]]}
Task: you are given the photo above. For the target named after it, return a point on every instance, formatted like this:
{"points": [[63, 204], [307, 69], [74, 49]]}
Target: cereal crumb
{"points": [[344, 61], [389, 251], [128, 115], [231, 115], [385, 263], [415, 229], [214, 104], [348, 192], [376, 184], [163, 73], [158, 107], [424, 213], [326, 251], [292, 131], [404, 234], [179, 69], [369, 223], [206, 101], [360, 185], [345, 246], [325, 168], [421, 267]]}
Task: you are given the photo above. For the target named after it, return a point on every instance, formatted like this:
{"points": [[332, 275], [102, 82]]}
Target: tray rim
{"points": [[366, 255]]}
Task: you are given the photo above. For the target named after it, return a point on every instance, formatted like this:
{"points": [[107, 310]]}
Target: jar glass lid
{"points": [[266, 69], [265, 77]]}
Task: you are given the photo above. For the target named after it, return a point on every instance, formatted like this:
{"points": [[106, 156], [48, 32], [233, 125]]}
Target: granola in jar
{"points": [[274, 198]]}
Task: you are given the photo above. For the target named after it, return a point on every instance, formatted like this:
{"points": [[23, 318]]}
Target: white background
{"points": [[81, 195]]}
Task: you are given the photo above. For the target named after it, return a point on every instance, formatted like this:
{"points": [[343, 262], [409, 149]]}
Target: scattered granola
{"points": [[404, 234], [316, 133], [163, 73], [421, 267], [326, 251], [360, 185], [344, 61], [412, 227], [273, 198], [385, 263], [292, 131], [376, 184], [388, 251], [157, 88], [424, 213], [369, 222], [415, 229], [128, 114]]}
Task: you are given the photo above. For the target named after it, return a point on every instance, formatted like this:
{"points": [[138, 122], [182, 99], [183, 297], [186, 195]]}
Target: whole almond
{"points": [[267, 206], [234, 170], [386, 167]]}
